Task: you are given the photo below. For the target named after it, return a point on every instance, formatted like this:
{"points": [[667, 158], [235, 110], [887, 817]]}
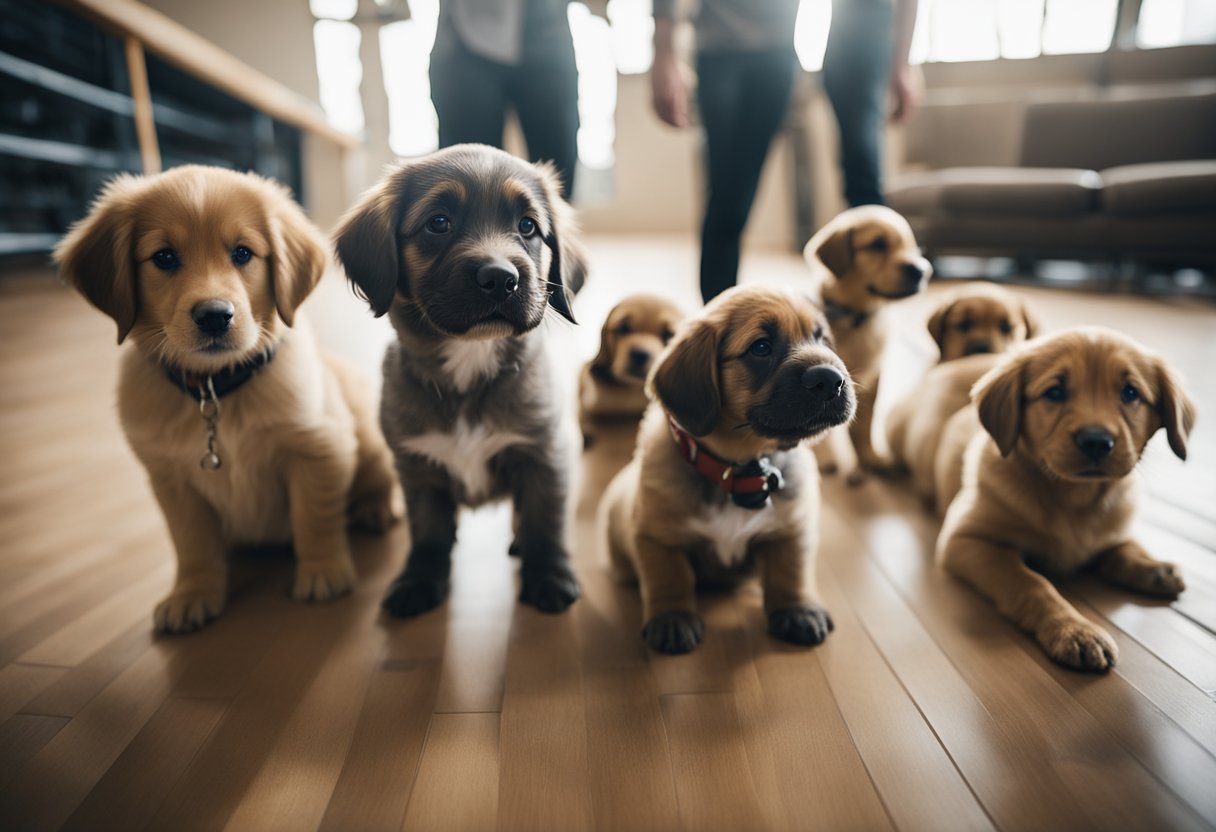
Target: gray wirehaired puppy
{"points": [[467, 249]]}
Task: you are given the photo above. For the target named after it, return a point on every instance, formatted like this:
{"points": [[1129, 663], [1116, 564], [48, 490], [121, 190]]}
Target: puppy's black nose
{"points": [[913, 272], [1095, 443], [823, 381], [498, 279], [638, 358], [978, 347], [213, 317]]}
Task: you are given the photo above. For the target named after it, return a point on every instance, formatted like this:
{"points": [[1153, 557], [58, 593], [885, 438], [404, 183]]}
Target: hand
{"points": [[669, 91], [906, 90]]}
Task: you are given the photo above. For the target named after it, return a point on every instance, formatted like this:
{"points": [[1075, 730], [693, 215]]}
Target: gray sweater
{"points": [[739, 25]]}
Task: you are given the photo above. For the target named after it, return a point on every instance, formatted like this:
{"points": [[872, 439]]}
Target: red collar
{"points": [[749, 484]]}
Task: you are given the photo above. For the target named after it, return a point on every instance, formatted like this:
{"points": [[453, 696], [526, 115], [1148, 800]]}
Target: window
{"points": [[1175, 23]]}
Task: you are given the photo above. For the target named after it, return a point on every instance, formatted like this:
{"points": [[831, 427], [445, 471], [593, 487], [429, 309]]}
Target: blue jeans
{"points": [[471, 95], [856, 70], [743, 98]]}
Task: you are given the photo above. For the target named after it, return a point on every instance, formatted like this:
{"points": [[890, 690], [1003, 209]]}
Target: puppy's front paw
{"points": [[804, 624], [1078, 644], [375, 513], [674, 632], [412, 595], [552, 588], [324, 580], [1163, 580], [187, 610]]}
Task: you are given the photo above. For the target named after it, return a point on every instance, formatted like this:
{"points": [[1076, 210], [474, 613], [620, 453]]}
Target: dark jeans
{"points": [[471, 96], [856, 70], [743, 98]]}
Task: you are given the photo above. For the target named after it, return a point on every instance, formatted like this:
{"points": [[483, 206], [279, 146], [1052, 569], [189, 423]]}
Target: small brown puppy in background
{"points": [[611, 387], [204, 269], [1048, 485], [721, 481], [980, 318], [970, 327], [864, 258]]}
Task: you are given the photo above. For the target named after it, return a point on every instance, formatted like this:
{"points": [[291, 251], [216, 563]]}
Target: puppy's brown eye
{"points": [[527, 226], [623, 328], [818, 333], [241, 255], [666, 335], [880, 245], [1056, 393], [761, 348], [1129, 394], [166, 260], [439, 224], [964, 327], [1006, 327]]}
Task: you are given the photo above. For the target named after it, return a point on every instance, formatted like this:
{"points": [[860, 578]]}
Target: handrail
{"points": [[204, 60]]}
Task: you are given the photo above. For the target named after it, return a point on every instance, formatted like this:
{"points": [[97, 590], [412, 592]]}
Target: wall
{"points": [[275, 38]]}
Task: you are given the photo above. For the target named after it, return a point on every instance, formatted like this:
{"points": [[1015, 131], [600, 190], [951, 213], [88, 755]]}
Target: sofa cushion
{"points": [[1160, 188], [1005, 191]]}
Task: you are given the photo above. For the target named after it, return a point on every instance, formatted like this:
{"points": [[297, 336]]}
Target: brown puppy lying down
{"points": [[203, 268], [1047, 486], [721, 482], [611, 386], [970, 327], [863, 259]]}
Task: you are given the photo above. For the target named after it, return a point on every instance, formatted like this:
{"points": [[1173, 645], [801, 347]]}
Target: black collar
{"points": [[839, 312], [222, 382]]}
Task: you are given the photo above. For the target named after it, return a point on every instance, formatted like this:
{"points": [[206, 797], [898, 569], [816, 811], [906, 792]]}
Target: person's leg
{"points": [[856, 70], [468, 94], [546, 100], [743, 100]]}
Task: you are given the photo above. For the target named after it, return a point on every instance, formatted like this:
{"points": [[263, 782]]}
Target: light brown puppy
{"points": [[204, 269], [970, 326], [1047, 485], [611, 387], [980, 318], [864, 259], [721, 482]]}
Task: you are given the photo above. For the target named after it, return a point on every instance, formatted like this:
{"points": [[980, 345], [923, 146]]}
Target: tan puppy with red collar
{"points": [[722, 482]]}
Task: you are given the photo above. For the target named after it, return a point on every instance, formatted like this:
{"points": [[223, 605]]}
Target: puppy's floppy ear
{"points": [[603, 358], [1176, 408], [1032, 320], [686, 378], [568, 266], [998, 397], [937, 324], [97, 257], [836, 251], [367, 245], [299, 257]]}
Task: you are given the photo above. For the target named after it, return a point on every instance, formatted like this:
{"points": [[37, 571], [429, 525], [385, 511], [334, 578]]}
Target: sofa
{"points": [[1123, 172]]}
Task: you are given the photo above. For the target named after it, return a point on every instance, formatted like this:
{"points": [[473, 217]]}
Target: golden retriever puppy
{"points": [[863, 259], [969, 326], [980, 318], [611, 387], [1045, 483], [248, 434], [721, 482]]}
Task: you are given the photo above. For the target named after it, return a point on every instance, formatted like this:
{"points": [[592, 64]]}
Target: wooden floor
{"points": [[923, 711]]}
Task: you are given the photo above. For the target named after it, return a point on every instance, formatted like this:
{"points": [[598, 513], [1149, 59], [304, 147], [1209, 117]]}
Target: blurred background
{"points": [[1023, 99]]}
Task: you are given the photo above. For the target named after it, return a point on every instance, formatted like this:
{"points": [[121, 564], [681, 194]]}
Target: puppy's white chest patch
{"points": [[466, 362], [465, 451], [729, 529]]}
